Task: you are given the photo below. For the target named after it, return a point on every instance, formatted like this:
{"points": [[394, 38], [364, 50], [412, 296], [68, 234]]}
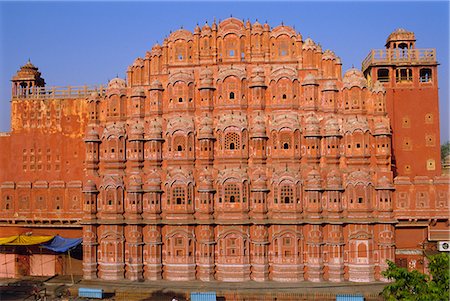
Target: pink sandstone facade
{"points": [[236, 152]]}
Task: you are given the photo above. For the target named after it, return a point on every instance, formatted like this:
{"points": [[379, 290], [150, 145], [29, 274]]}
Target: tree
{"points": [[445, 150], [415, 286]]}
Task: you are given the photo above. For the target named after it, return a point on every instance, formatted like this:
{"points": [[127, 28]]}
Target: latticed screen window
{"points": [[179, 93], [284, 48], [180, 53], [232, 194], [287, 194], [232, 141], [178, 195], [283, 89], [285, 140], [231, 90], [179, 143], [231, 247]]}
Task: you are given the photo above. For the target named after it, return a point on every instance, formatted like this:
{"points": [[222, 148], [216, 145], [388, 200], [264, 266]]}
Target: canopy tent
{"points": [[54, 243], [5, 240], [60, 244], [24, 240]]}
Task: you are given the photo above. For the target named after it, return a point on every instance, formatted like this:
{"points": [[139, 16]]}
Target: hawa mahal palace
{"points": [[234, 152]]}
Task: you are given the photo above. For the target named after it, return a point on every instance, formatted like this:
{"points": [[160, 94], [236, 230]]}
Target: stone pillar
{"points": [[90, 252], [259, 250], [335, 253], [134, 253], [205, 261], [152, 252], [314, 250]]}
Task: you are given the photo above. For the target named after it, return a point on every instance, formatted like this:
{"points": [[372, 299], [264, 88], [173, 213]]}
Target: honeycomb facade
{"points": [[236, 152]]}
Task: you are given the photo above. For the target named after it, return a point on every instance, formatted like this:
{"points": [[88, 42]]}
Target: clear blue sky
{"points": [[77, 43]]}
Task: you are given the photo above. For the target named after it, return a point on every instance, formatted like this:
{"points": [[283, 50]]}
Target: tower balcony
{"points": [[57, 92], [399, 56]]}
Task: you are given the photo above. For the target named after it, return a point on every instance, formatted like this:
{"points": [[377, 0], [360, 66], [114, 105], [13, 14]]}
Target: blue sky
{"points": [[78, 43]]}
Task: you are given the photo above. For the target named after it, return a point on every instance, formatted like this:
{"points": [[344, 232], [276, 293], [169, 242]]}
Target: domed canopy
{"points": [[156, 85], [313, 180], [92, 135], [354, 78], [154, 130], [312, 128], [29, 72], [116, 83], [398, 36], [136, 132], [309, 79]]}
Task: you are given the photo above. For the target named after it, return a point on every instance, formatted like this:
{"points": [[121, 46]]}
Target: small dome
{"points": [[92, 135], [257, 27], [266, 27], [153, 180], [206, 78], [135, 183], [116, 83], [258, 128], [381, 128], [354, 78], [90, 186], [332, 127], [205, 179], [197, 29], [138, 92], [329, 86], [334, 180], [309, 79], [401, 34], [313, 180], [136, 132], [312, 127], [206, 130], [29, 65], [156, 85], [257, 81], [155, 129]]}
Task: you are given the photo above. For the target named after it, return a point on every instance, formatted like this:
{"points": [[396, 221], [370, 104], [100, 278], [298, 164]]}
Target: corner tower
{"points": [[409, 76]]}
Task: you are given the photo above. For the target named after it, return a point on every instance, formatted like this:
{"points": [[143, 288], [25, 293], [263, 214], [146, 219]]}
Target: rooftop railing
{"points": [[397, 55], [59, 92]]}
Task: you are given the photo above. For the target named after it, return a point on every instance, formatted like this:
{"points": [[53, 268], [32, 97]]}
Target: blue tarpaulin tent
{"points": [[60, 244]]}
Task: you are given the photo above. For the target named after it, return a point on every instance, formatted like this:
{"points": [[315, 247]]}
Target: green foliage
{"points": [[415, 286], [445, 150]]}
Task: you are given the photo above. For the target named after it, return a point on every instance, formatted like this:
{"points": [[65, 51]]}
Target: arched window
{"points": [[287, 194], [232, 193], [178, 195], [425, 75], [232, 141], [285, 140], [179, 143], [383, 75], [231, 95]]}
